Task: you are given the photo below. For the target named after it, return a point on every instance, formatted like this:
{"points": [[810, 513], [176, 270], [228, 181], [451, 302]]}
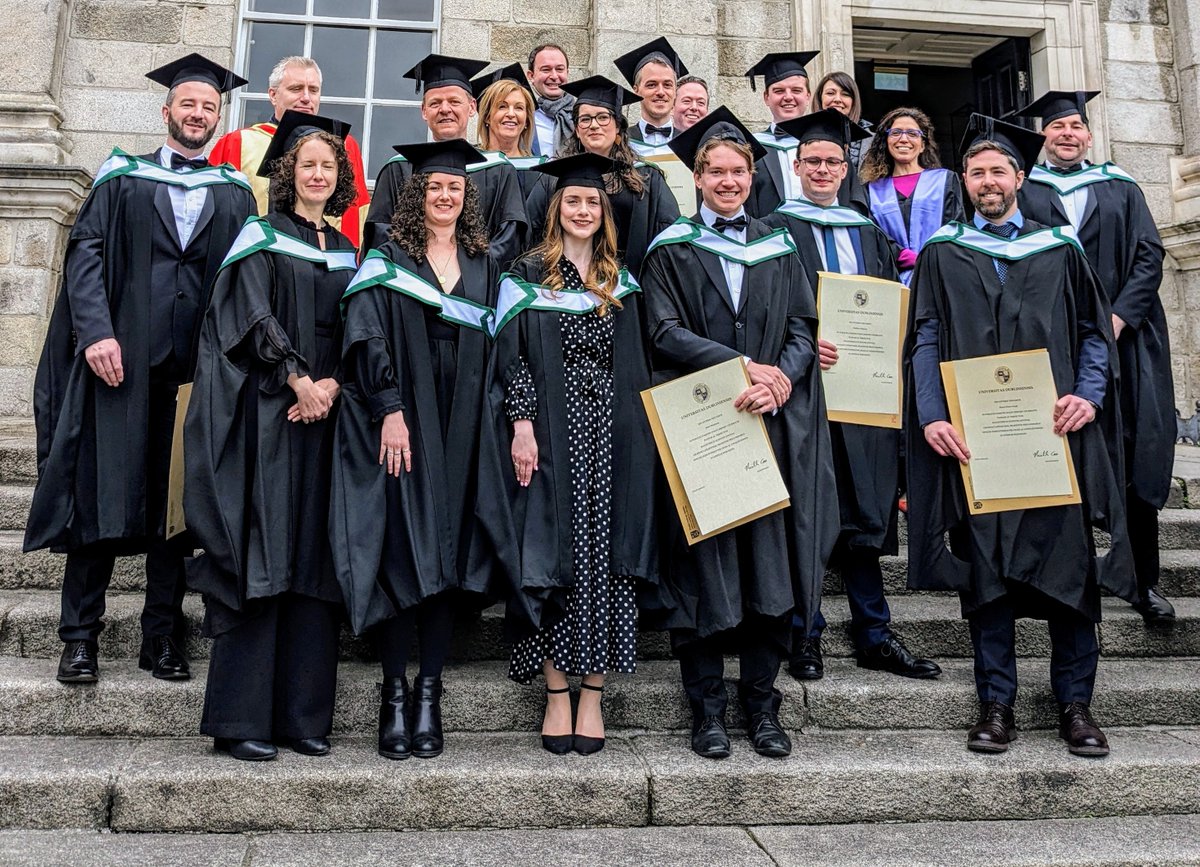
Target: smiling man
{"points": [[786, 93], [653, 70], [691, 102], [553, 123]]}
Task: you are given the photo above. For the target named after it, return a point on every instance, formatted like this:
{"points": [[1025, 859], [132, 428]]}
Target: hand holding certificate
{"points": [[719, 461]]}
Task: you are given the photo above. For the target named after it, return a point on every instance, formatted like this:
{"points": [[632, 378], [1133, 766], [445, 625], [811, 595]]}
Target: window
{"points": [[363, 48]]}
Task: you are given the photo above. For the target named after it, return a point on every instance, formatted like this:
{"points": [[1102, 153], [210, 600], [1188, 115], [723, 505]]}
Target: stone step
{"points": [[14, 506], [479, 697], [930, 624], [1118, 841], [18, 451], [508, 781]]}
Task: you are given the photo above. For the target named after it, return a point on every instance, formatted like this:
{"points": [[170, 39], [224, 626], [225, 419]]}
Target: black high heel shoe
{"points": [[395, 741], [560, 745], [427, 741], [583, 744]]}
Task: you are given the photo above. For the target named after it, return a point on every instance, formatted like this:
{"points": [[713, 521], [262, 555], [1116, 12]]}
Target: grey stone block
{"points": [[14, 506], [127, 21], [92, 849], [58, 783], [1124, 633]]}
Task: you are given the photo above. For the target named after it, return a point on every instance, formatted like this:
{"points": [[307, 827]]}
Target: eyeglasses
{"points": [[896, 132], [587, 120], [814, 163]]}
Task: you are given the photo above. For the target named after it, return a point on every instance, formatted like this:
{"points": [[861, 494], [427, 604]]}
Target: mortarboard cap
{"points": [[719, 123], [659, 51], [601, 92], [293, 126], [450, 157], [777, 66], [196, 67], [1057, 104], [1020, 143], [513, 72], [826, 125], [439, 70], [580, 170]]}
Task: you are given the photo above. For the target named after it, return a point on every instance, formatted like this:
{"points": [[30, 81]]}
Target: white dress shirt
{"points": [[734, 271], [1075, 203], [847, 260], [787, 163], [543, 128], [654, 138], [187, 204]]}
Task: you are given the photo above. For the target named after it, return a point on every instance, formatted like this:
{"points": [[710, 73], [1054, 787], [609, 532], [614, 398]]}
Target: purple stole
{"points": [[925, 217]]}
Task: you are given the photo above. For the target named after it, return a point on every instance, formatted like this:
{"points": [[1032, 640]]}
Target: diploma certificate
{"points": [[175, 477], [679, 178], [1004, 407], [866, 319], [719, 461]]}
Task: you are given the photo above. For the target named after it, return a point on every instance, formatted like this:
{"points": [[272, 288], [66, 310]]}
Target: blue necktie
{"points": [[1007, 231], [832, 262]]}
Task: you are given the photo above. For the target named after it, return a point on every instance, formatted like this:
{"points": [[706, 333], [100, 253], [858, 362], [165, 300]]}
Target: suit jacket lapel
{"points": [[711, 263], [1090, 208], [162, 204]]}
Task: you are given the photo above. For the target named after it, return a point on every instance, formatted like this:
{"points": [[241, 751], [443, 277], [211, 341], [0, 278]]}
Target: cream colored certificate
{"points": [[719, 461], [866, 319], [679, 178], [1004, 407]]}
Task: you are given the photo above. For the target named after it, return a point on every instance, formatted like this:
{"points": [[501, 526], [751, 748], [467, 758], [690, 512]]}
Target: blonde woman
{"points": [[505, 123]]}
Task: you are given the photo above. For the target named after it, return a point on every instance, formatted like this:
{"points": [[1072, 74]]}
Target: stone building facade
{"points": [[73, 88]]}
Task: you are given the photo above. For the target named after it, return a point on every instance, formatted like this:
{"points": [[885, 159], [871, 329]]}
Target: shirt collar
{"points": [[164, 156], [1016, 219], [709, 216], [643, 123], [1083, 164]]}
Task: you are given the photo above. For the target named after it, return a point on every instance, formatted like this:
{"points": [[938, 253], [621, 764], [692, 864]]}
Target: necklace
{"points": [[441, 272]]}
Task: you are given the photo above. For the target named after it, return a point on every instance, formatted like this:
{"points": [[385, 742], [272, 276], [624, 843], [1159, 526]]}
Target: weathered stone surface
{"points": [[127, 21], [222, 54], [1139, 43], [624, 14], [101, 63], [63, 784], [6, 241], [1135, 11], [688, 17], [1160, 202], [16, 391], [1141, 80], [129, 111], [23, 290], [565, 13], [209, 25], [1148, 164], [35, 242], [36, 848], [761, 20], [1135, 638], [1150, 122], [463, 38], [514, 41], [735, 56], [28, 40], [479, 10]]}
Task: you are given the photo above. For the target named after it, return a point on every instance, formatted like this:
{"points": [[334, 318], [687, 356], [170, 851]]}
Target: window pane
{"points": [[255, 111], [392, 126], [341, 53], [269, 43], [406, 10], [396, 51], [343, 8], [292, 7], [351, 114]]}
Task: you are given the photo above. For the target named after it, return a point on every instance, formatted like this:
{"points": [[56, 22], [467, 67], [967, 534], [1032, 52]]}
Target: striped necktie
{"points": [[1007, 231]]}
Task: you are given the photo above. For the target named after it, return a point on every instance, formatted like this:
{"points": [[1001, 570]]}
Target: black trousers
{"points": [[274, 676], [1074, 651], [1142, 520], [432, 622], [870, 617], [89, 570], [702, 666]]}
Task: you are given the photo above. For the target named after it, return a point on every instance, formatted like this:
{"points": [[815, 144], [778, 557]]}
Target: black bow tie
{"points": [[738, 224], [179, 161], [651, 129], [1069, 170], [780, 132]]}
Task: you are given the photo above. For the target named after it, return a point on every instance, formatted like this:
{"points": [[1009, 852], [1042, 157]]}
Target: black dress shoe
{"points": [[1079, 730], [310, 746], [78, 663], [892, 656], [163, 659], [395, 740], [806, 662], [246, 751], [427, 741], [995, 730], [1154, 607], [709, 738], [768, 737]]}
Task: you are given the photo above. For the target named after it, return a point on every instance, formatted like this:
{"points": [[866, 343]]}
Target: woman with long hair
{"points": [[641, 201], [259, 454], [911, 196], [505, 124], [573, 454], [404, 483]]}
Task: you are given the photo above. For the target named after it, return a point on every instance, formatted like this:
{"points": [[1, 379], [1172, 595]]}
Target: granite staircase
{"points": [[115, 772]]}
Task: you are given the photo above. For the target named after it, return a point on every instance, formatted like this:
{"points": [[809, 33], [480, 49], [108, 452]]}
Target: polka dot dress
{"points": [[599, 632]]}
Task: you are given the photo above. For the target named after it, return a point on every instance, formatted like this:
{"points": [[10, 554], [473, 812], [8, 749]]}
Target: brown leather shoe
{"points": [[1079, 730], [995, 730]]}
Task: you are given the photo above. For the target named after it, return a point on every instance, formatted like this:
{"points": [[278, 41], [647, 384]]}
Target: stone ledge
{"points": [[43, 192]]}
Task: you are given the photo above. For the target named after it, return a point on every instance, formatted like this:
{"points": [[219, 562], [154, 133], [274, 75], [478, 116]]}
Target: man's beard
{"points": [[999, 209], [177, 131]]}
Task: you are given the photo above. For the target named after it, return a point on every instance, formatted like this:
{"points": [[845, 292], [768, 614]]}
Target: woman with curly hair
{"points": [[416, 316], [910, 194], [642, 203], [259, 454]]}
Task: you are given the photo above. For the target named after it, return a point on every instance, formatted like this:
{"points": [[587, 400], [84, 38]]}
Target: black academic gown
{"points": [[773, 565], [1048, 549], [257, 496], [533, 529], [397, 541], [125, 276], [867, 459], [767, 192], [639, 219], [1122, 245], [501, 204]]}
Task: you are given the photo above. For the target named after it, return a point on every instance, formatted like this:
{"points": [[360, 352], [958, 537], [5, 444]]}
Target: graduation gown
{"points": [[776, 564], [639, 218], [397, 541], [866, 459], [257, 496], [936, 204], [1122, 244], [1047, 549], [768, 191], [124, 276], [501, 204], [532, 526]]}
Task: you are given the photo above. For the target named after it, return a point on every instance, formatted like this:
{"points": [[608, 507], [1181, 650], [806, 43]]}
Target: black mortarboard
{"points": [[777, 66], [293, 126], [451, 157], [827, 125], [719, 123], [1020, 143], [196, 67], [1058, 103], [580, 170], [438, 70], [659, 50], [512, 72], [601, 92]]}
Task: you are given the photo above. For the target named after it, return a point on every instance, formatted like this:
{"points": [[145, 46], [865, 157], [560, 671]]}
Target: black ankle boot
{"points": [[395, 740], [427, 717]]}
